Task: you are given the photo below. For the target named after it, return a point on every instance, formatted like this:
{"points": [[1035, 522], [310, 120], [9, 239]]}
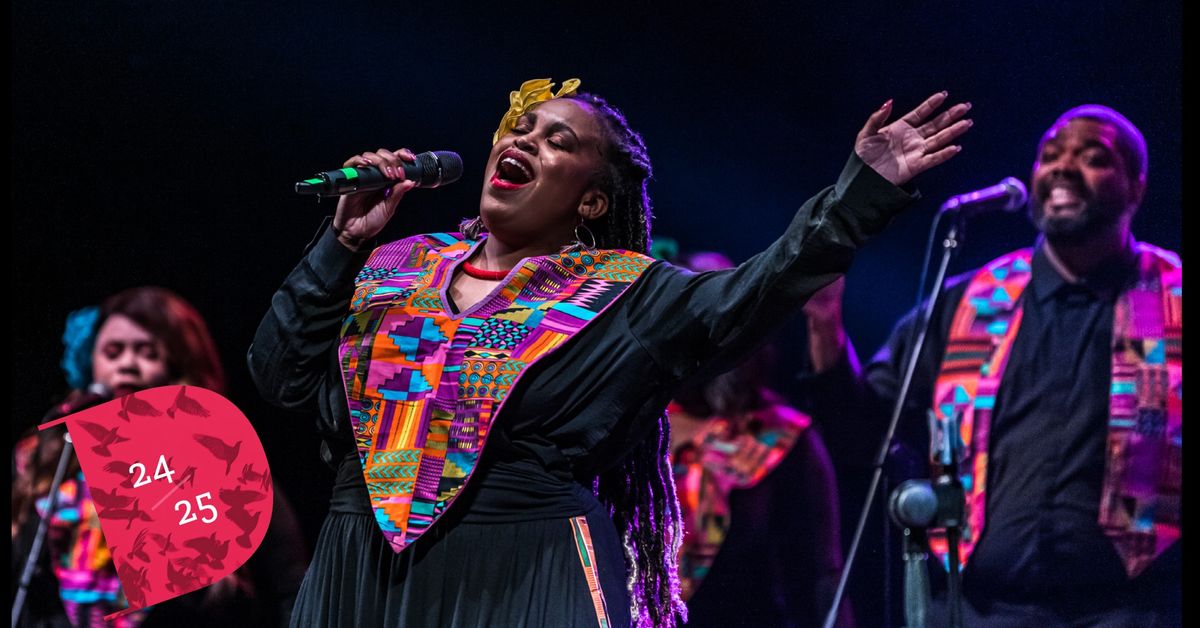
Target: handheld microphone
{"points": [[1008, 195], [430, 170]]}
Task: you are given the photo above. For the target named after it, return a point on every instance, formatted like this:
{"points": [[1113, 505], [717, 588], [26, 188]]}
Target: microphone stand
{"points": [[39, 538], [918, 505], [950, 246], [951, 499], [916, 578]]}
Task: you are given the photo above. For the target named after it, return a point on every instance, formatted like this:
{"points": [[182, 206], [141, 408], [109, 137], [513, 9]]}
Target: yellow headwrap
{"points": [[532, 92]]}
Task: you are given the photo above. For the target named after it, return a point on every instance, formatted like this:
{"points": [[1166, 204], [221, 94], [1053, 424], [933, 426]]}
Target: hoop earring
{"points": [[472, 228], [591, 236], [578, 244]]}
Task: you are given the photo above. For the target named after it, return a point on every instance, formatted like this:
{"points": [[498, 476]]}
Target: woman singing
{"points": [[545, 331]]}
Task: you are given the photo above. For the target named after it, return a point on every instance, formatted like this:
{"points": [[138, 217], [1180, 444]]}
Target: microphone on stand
{"points": [[1007, 195], [94, 395], [914, 506]]}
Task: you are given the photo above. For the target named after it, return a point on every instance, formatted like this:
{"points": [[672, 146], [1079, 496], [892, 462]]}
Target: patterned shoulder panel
{"points": [[1014, 263], [991, 293], [396, 269], [1168, 257], [1170, 267], [409, 252], [788, 418], [605, 264], [452, 245]]}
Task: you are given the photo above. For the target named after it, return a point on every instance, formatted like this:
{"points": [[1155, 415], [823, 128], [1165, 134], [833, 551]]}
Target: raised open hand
{"points": [[913, 144]]}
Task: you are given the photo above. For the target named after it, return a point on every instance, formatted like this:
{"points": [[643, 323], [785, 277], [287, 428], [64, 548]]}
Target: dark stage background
{"points": [[157, 142]]}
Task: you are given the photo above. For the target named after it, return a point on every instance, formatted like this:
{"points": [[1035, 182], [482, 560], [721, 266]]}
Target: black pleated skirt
{"points": [[549, 572]]}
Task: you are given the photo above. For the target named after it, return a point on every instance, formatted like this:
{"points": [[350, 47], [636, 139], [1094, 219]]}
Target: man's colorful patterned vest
{"points": [[1140, 499]]}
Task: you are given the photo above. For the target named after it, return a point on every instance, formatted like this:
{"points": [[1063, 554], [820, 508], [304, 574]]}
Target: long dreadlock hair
{"points": [[640, 491], [623, 176]]}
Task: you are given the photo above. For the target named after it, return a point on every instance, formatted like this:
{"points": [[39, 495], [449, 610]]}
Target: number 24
{"points": [[163, 471]]}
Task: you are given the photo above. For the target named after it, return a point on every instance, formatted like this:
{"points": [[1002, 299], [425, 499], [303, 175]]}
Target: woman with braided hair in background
{"points": [[545, 330], [136, 339]]}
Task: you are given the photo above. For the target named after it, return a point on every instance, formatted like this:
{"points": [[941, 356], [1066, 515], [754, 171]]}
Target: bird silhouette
{"points": [[130, 514], [164, 542], [178, 580], [209, 550], [250, 475], [104, 437], [245, 522], [193, 566], [117, 467], [188, 477], [139, 544], [187, 404], [130, 404], [109, 500], [218, 448], [134, 582], [239, 498]]}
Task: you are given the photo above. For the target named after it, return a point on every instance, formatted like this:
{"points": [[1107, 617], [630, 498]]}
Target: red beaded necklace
{"points": [[486, 275]]}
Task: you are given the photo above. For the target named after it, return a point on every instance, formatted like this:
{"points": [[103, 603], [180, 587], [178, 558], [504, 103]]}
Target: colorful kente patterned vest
{"points": [[424, 385], [705, 475], [1140, 499]]}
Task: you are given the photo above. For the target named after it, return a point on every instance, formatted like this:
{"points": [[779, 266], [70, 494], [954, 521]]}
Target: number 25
{"points": [[189, 516]]}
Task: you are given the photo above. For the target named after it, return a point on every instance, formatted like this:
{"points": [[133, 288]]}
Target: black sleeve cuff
{"points": [[872, 199], [331, 262]]}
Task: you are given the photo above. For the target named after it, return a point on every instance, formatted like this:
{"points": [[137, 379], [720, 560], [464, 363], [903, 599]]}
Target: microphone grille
{"points": [[100, 390], [1017, 194], [427, 166], [451, 164], [914, 504]]}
